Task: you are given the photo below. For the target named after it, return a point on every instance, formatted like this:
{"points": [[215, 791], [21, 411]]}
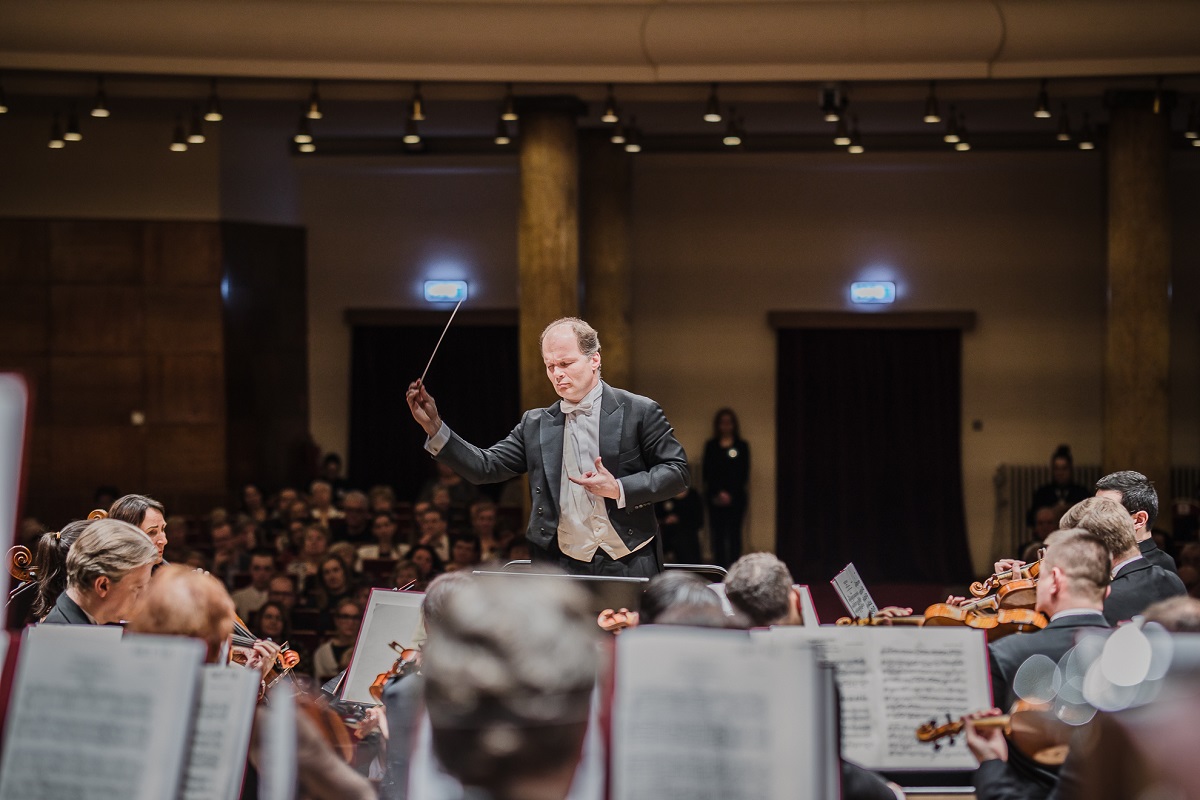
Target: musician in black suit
{"points": [[108, 568], [1136, 493], [597, 460], [1136, 583], [1071, 587]]}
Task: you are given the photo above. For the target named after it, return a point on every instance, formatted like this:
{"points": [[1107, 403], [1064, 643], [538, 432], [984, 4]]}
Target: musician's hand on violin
{"points": [[600, 483], [955, 600], [987, 744], [893, 611], [374, 720], [262, 656], [1007, 564], [423, 409]]}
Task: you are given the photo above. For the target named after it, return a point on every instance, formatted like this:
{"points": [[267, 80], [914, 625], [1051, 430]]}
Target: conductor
{"points": [[598, 460]]}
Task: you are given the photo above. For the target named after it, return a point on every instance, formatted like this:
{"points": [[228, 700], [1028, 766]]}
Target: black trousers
{"points": [[644, 563]]}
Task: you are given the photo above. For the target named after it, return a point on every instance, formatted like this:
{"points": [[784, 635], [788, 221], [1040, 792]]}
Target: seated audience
{"points": [[334, 654], [228, 557], [406, 575], [355, 526], [308, 562], [465, 553], [145, 514], [509, 675], [323, 510], [282, 592], [1136, 493], [253, 506], [250, 598], [50, 565], [383, 529], [382, 500], [428, 563], [484, 524], [108, 569], [431, 531], [272, 622], [332, 585]]}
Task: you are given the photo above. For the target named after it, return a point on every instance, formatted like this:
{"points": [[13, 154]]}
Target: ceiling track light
{"points": [[196, 130], [841, 136], [56, 134], [416, 106], [610, 114], [303, 133], [932, 115], [509, 112], [733, 136], [308, 147], [633, 138], [712, 108], [178, 141], [856, 145], [100, 106], [73, 134], [1193, 124], [951, 135], [1087, 140], [832, 104], [1042, 110], [962, 145], [618, 134], [314, 103], [213, 111], [411, 134], [1064, 126], [502, 137]]}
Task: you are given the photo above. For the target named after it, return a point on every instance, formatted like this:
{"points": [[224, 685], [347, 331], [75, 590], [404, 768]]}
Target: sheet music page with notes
{"points": [[708, 715], [220, 740], [892, 680], [94, 718], [853, 593]]}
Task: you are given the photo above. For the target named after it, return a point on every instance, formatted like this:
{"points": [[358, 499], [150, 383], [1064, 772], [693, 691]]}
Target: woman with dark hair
{"points": [[726, 471], [50, 565], [1062, 492], [429, 565]]}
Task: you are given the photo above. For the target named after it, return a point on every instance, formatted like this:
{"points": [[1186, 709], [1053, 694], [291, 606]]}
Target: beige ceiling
{"points": [[618, 41]]}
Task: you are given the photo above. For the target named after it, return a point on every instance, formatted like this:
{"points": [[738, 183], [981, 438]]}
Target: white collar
{"points": [[1075, 612], [1117, 567]]}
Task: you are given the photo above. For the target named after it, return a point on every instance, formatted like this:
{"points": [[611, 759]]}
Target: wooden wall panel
{"points": [[185, 389], [96, 251], [185, 458], [25, 309], [96, 319], [183, 319], [86, 456], [24, 258], [183, 254], [96, 390]]}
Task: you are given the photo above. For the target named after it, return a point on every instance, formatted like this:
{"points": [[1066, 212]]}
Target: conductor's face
{"points": [[571, 373]]}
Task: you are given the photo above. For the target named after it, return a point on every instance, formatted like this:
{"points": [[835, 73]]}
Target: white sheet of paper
{"points": [[708, 715], [390, 617], [853, 593], [278, 763], [808, 609], [92, 719], [14, 404], [220, 740], [893, 680]]}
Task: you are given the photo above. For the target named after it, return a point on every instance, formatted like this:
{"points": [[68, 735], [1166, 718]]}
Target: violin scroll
{"points": [[20, 564]]}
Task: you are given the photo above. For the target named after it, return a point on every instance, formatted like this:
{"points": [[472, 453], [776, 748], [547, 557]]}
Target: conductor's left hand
{"points": [[600, 483]]}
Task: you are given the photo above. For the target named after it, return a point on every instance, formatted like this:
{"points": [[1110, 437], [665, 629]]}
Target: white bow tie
{"points": [[572, 408]]}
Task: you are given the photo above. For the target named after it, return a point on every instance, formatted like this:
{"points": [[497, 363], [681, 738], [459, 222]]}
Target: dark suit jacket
{"points": [[637, 444], [66, 612], [1137, 585], [1152, 553]]}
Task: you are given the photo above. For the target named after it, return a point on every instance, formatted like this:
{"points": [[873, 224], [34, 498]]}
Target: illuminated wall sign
{"points": [[445, 291], [873, 292]]}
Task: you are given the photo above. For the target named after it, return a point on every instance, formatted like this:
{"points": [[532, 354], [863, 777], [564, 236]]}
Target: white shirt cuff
{"points": [[435, 443], [621, 499]]}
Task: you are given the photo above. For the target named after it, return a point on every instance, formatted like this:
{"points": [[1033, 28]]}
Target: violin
{"points": [[243, 642], [1026, 572], [408, 663], [985, 614], [1033, 729], [883, 621]]}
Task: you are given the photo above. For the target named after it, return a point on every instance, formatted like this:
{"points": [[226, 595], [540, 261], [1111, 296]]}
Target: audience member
{"points": [[196, 560], [282, 591], [331, 472], [1136, 583], [253, 505], [1136, 493], [726, 471], [465, 553], [323, 510], [383, 528], [428, 565], [108, 569], [382, 500], [460, 494], [406, 575], [679, 522], [272, 622], [334, 654], [145, 514], [1062, 489], [308, 562], [332, 585], [355, 525], [250, 598], [228, 558], [431, 531], [484, 524]]}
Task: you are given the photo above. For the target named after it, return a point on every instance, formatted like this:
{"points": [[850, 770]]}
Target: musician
{"points": [[144, 513], [108, 569], [1071, 587], [1136, 493], [1136, 582], [50, 565], [598, 459]]}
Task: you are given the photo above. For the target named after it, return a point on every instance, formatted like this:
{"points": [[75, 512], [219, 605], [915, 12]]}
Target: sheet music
{"points": [[93, 719], [853, 593], [708, 715], [14, 401], [893, 680], [808, 609], [220, 738], [278, 764]]}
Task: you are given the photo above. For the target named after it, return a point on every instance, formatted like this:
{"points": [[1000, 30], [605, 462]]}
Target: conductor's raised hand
{"points": [[600, 483], [423, 409]]}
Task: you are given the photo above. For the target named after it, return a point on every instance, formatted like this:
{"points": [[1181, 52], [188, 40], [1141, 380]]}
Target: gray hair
{"points": [[759, 585], [109, 548], [510, 669], [585, 335]]}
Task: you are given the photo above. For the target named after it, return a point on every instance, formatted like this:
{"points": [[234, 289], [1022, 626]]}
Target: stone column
{"points": [[1138, 333], [548, 236], [606, 177]]}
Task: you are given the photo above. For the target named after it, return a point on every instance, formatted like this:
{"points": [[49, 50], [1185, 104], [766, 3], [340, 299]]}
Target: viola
{"points": [[408, 663], [1032, 728]]}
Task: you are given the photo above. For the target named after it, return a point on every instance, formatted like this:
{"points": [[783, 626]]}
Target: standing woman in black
{"points": [[726, 474]]}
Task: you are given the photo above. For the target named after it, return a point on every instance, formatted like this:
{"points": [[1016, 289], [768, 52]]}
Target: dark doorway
{"points": [[869, 454], [474, 380]]}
